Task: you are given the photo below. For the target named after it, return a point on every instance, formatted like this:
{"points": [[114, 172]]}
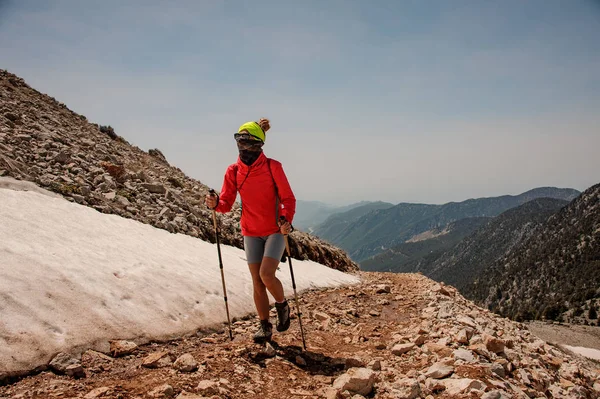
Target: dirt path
{"points": [[566, 334]]}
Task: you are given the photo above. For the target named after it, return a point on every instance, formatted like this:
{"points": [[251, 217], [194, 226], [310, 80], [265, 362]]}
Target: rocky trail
{"points": [[392, 336]]}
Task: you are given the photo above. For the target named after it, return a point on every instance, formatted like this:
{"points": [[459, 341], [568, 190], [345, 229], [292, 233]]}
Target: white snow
{"points": [[587, 352], [72, 278]]}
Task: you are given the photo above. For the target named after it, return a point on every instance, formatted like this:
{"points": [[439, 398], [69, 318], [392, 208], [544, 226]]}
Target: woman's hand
{"points": [[284, 226], [211, 201]]}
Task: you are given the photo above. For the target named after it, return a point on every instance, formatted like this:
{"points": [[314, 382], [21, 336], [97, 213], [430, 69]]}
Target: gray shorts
{"points": [[258, 247]]}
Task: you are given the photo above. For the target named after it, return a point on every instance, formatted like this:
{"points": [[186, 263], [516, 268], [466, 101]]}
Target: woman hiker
{"points": [[268, 207]]}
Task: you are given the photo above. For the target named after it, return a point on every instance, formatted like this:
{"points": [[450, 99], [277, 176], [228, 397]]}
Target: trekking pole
{"points": [[287, 246], [212, 192]]}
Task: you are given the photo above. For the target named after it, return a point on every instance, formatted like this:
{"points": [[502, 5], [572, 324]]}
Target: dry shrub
{"points": [[116, 171], [108, 130]]}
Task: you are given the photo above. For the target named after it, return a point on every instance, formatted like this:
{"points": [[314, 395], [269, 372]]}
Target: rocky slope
{"points": [[381, 229], [556, 270], [41, 140], [393, 336], [472, 256]]}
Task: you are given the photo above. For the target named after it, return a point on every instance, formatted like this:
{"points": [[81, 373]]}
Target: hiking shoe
{"points": [[264, 332], [283, 316]]}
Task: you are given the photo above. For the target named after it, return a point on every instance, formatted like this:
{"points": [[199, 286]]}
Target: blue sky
{"points": [[402, 101]]}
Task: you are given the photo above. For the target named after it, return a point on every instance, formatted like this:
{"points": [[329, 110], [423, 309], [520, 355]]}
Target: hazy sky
{"points": [[402, 101]]}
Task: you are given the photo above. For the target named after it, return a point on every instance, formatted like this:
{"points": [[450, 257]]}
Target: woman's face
{"points": [[247, 142]]}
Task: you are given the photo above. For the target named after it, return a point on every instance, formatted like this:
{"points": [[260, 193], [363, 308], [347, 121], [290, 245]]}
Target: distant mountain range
{"points": [[388, 226], [310, 214], [469, 246], [540, 260], [341, 220]]}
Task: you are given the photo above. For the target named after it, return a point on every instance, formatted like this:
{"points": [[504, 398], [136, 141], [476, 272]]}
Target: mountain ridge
{"points": [[381, 229], [555, 270], [470, 254], [502, 234], [412, 256], [310, 214], [338, 220]]}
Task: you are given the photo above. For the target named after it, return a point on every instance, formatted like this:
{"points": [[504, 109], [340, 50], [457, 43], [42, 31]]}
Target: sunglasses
{"points": [[246, 138]]}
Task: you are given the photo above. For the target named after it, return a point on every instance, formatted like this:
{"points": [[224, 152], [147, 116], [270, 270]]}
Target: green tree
{"points": [[552, 312], [592, 314]]}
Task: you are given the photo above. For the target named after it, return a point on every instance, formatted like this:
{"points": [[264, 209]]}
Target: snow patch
{"points": [[587, 352], [72, 278]]}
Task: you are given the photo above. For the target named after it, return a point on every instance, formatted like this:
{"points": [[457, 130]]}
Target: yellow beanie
{"points": [[253, 129]]}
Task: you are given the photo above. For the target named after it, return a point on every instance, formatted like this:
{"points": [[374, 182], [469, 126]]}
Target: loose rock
{"points": [[356, 380], [62, 361], [157, 360], [122, 348], [208, 388], [163, 391], [439, 370], [186, 363], [493, 344], [401, 349], [383, 289], [461, 385]]}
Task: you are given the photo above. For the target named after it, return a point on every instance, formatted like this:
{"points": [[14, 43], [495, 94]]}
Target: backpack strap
{"points": [[277, 200], [273, 178], [235, 170]]}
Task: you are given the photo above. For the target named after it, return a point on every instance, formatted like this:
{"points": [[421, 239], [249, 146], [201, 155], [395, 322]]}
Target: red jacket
{"points": [[256, 185]]}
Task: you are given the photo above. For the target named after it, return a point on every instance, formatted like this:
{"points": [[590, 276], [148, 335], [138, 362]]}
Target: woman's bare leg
{"points": [[261, 300], [268, 268]]}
